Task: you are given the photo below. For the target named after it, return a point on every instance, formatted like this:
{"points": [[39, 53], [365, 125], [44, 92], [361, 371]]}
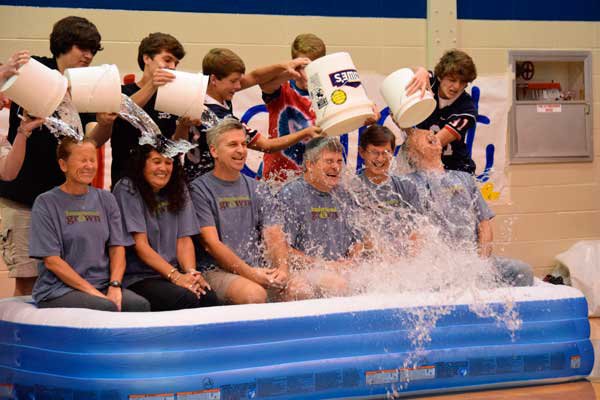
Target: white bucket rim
{"points": [[86, 104], [52, 104], [165, 106], [412, 101]]}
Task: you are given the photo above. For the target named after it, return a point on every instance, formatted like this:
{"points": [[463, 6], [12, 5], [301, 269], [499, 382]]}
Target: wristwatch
{"points": [[114, 284]]}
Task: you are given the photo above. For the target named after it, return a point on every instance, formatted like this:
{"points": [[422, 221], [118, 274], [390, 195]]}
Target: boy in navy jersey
{"points": [[455, 113]]}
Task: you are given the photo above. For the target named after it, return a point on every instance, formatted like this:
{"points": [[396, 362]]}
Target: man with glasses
{"points": [[382, 195]]}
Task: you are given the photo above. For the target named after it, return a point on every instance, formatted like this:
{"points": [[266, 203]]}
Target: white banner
{"points": [[488, 138]]}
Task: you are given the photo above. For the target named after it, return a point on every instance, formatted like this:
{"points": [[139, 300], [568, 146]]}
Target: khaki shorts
{"points": [[219, 281], [15, 223]]}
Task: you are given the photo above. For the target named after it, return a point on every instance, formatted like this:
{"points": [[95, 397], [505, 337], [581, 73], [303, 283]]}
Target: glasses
{"points": [[377, 154]]}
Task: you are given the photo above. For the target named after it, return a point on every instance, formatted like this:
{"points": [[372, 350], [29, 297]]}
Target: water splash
{"points": [[150, 132], [66, 121]]}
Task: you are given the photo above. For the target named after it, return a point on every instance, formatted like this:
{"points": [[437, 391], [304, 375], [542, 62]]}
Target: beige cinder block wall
{"points": [[552, 205], [376, 44]]}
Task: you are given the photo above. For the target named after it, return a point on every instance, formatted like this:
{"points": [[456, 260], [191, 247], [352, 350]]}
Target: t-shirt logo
{"points": [[72, 217], [234, 202], [347, 77], [162, 207], [324, 213]]}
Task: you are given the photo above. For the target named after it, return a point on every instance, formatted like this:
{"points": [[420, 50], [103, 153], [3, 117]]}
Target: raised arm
{"points": [[282, 72], [11, 164], [270, 145]]}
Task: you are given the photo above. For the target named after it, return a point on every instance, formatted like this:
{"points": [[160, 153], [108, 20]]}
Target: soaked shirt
{"points": [[78, 229], [317, 223], [452, 201], [162, 227], [237, 210], [386, 214]]}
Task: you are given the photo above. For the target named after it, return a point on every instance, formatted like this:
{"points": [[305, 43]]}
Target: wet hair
{"points": [[74, 31], [408, 145], [314, 148], [456, 63], [175, 190], [227, 124], [157, 42], [309, 45], [65, 147], [377, 135], [222, 63]]}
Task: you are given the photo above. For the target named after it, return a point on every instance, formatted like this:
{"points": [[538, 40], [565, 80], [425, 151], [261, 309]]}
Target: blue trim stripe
{"points": [[348, 8], [529, 10]]}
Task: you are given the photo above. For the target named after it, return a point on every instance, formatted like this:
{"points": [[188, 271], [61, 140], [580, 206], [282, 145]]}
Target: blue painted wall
{"points": [[332, 8], [532, 10]]}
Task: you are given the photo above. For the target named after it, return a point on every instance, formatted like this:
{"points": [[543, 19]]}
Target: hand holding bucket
{"points": [[406, 110], [36, 88], [184, 96], [338, 97], [95, 89]]}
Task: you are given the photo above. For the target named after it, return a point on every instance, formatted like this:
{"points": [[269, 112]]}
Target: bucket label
{"points": [[338, 97], [347, 77], [319, 99], [575, 362]]}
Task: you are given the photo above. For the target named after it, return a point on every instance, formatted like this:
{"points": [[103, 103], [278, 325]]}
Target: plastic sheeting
{"points": [[580, 267]]}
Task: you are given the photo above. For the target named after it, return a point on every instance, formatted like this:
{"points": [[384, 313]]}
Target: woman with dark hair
{"points": [[76, 231], [158, 214]]}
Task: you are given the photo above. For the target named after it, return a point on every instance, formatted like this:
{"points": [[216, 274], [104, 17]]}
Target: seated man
{"points": [[453, 202], [315, 215], [230, 208], [227, 76], [381, 195]]}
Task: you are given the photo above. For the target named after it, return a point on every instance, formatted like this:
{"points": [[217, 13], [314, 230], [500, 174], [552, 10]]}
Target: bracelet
{"points": [[176, 278], [171, 273]]}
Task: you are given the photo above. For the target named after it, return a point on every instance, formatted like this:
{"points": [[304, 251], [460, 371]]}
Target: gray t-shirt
{"points": [[317, 223], [236, 210], [452, 200], [79, 229], [385, 213], [163, 228]]}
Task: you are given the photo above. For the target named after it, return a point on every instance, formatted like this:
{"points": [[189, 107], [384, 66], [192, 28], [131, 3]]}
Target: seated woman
{"points": [[76, 230], [158, 214]]}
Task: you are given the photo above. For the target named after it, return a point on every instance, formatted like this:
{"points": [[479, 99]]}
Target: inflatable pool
{"points": [[353, 347]]}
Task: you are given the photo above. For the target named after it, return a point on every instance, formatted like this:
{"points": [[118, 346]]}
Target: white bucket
{"points": [[338, 97], [407, 111], [184, 96], [95, 89], [37, 88]]}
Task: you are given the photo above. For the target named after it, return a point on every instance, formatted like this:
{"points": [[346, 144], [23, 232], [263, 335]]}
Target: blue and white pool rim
{"points": [[354, 347]]}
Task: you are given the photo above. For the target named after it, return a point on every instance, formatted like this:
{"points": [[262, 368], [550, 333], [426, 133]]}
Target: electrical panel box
{"points": [[551, 116]]}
